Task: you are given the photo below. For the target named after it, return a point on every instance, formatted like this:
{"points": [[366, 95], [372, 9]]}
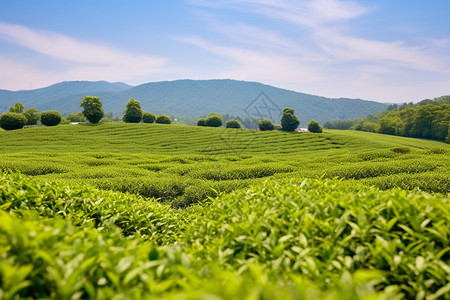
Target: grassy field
{"points": [[337, 215]]}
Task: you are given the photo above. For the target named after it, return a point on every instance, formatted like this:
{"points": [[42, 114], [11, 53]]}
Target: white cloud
{"points": [[320, 56], [303, 12], [76, 59], [351, 49]]}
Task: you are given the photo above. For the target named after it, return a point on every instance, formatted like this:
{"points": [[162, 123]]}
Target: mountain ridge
{"points": [[192, 98]]}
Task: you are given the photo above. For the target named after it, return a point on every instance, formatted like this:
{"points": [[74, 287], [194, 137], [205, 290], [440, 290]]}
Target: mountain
{"points": [[49, 98], [194, 98]]}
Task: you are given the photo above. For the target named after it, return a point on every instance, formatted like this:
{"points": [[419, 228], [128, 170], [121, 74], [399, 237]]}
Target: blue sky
{"points": [[382, 50]]}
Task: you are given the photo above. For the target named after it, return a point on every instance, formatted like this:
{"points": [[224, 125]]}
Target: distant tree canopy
{"points": [[50, 118], [148, 117], [163, 119], [214, 120], [133, 112], [201, 122], [32, 116], [266, 125], [289, 121], [17, 108], [92, 109], [12, 120], [313, 126], [76, 117], [233, 124], [342, 124], [428, 119]]}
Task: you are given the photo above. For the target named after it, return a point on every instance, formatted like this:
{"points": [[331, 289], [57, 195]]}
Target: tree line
{"points": [[17, 118], [429, 119], [289, 122]]}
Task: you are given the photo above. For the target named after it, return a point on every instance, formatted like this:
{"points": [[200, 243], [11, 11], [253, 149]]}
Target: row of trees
{"points": [[428, 119], [17, 117], [133, 113], [93, 112], [289, 122]]}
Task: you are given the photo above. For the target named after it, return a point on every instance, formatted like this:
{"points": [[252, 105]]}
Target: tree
{"points": [[314, 126], [213, 120], [133, 112], [163, 119], [12, 120], [17, 108], [233, 124], [50, 118], [201, 122], [148, 117], [92, 109], [76, 117], [370, 126], [265, 125], [32, 116], [289, 121]]}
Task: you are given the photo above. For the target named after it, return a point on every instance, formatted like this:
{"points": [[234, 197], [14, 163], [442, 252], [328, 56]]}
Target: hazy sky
{"points": [[383, 50]]}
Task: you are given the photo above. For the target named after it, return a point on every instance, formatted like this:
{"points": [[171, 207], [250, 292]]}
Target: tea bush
{"points": [[50, 118], [163, 119], [12, 120], [286, 239], [233, 124], [148, 117]]}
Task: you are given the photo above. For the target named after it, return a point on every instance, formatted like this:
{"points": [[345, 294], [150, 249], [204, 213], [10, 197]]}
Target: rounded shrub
{"points": [[148, 117], [265, 125], [313, 126], [50, 118], [133, 112], [233, 124], [289, 121], [163, 119], [214, 120], [201, 122], [12, 120]]}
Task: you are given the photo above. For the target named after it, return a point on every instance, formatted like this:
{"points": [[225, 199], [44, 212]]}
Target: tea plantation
{"points": [[135, 211]]}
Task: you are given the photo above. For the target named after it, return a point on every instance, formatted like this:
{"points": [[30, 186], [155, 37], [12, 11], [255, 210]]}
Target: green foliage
{"points": [[133, 112], [32, 116], [213, 120], [76, 117], [163, 119], [201, 122], [281, 239], [289, 121], [313, 126], [12, 120], [50, 118], [93, 110], [233, 124], [428, 119], [341, 124], [265, 125], [148, 117], [401, 150], [17, 108]]}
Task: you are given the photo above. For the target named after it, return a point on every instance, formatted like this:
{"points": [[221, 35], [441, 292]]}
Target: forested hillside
{"points": [[191, 99], [428, 119]]}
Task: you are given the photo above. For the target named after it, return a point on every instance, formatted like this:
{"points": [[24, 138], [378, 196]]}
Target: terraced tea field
{"points": [[338, 215]]}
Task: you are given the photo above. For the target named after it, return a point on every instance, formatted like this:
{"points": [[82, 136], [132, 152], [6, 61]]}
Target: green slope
{"points": [[185, 164], [87, 219]]}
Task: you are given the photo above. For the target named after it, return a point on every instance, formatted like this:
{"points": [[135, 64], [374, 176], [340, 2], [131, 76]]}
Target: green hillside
{"points": [[263, 216], [184, 164]]}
